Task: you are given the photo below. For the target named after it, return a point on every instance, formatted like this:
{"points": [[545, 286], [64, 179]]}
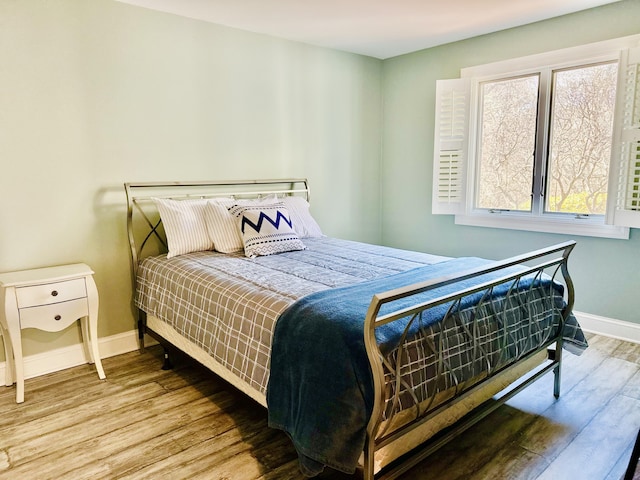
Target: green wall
{"points": [[96, 93], [606, 272]]}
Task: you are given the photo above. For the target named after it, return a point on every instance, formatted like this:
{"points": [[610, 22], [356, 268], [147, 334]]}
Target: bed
{"points": [[367, 356]]}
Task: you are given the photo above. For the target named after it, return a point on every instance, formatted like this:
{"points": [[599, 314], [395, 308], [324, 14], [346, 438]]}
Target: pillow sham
{"points": [[266, 229], [221, 226], [185, 225], [303, 223]]}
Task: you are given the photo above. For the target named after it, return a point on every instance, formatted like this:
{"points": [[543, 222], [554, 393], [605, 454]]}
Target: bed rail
{"points": [[390, 383]]}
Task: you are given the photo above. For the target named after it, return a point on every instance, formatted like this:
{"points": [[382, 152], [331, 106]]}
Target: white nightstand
{"points": [[48, 299]]}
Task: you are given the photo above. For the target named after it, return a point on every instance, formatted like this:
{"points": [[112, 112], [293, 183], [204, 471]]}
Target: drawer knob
{"points": [[57, 317], [54, 293]]}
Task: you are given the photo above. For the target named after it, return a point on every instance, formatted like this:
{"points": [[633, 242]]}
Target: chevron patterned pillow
{"points": [[266, 229]]}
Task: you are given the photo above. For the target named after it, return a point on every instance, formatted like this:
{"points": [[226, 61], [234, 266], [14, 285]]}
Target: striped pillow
{"points": [[221, 226], [184, 224], [303, 223], [266, 229]]}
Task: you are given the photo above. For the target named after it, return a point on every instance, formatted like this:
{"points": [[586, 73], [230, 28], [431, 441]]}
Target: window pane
{"points": [[507, 143], [580, 145]]}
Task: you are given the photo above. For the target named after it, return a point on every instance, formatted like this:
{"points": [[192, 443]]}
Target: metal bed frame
{"points": [[387, 377], [385, 374]]}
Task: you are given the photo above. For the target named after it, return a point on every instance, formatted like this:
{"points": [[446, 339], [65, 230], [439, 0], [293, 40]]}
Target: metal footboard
{"points": [[395, 397]]}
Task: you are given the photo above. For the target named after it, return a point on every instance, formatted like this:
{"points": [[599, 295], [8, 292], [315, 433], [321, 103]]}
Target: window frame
{"points": [[475, 150], [467, 89]]}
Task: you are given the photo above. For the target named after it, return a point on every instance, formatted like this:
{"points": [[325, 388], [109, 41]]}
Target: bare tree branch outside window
{"points": [[507, 142], [579, 148]]}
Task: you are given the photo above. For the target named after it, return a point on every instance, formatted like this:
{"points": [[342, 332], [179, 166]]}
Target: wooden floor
{"points": [[143, 422]]}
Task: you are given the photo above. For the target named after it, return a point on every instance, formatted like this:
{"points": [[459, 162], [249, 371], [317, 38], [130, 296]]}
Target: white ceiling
{"points": [[377, 28]]}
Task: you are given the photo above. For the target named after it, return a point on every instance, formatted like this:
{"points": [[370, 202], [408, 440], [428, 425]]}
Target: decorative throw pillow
{"points": [[185, 225], [221, 225], [303, 223], [266, 229]]}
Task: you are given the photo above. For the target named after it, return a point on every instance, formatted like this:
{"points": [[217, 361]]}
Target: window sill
{"points": [[561, 225]]}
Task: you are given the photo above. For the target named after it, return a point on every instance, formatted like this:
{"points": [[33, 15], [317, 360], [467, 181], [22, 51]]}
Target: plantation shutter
{"points": [[623, 207], [450, 146]]}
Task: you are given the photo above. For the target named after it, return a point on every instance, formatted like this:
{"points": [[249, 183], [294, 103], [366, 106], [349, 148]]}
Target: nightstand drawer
{"points": [[55, 317], [47, 293]]}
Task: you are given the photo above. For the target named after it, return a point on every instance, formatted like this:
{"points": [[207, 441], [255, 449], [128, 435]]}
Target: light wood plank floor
{"points": [[143, 422]]}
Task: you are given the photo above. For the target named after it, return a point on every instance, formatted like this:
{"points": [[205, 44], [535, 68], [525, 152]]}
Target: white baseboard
{"points": [[72, 356], [609, 327], [67, 357]]}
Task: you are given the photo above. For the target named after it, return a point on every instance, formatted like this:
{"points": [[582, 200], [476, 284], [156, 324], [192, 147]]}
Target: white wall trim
{"points": [[609, 327], [67, 357], [72, 356]]}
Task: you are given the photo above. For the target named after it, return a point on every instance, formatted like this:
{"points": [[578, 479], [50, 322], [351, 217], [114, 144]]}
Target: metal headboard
{"points": [[144, 226]]}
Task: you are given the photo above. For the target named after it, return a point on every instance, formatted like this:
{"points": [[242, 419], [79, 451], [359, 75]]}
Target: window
{"points": [[507, 127], [583, 101], [546, 143]]}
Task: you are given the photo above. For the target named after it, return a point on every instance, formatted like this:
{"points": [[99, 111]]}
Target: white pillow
{"points": [[303, 223], [185, 225], [221, 226], [266, 229]]}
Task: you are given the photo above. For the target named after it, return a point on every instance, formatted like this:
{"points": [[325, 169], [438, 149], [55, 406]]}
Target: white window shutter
{"points": [[450, 146], [623, 207]]}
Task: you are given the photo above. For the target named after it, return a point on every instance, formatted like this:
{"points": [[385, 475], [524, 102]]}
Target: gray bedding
{"points": [[228, 304]]}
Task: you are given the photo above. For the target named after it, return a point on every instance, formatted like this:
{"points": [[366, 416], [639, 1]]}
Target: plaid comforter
{"points": [[228, 304]]}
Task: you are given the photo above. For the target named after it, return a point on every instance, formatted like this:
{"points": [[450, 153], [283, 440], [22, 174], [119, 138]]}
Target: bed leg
{"points": [[557, 357], [556, 381], [167, 365], [140, 336], [142, 327]]}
